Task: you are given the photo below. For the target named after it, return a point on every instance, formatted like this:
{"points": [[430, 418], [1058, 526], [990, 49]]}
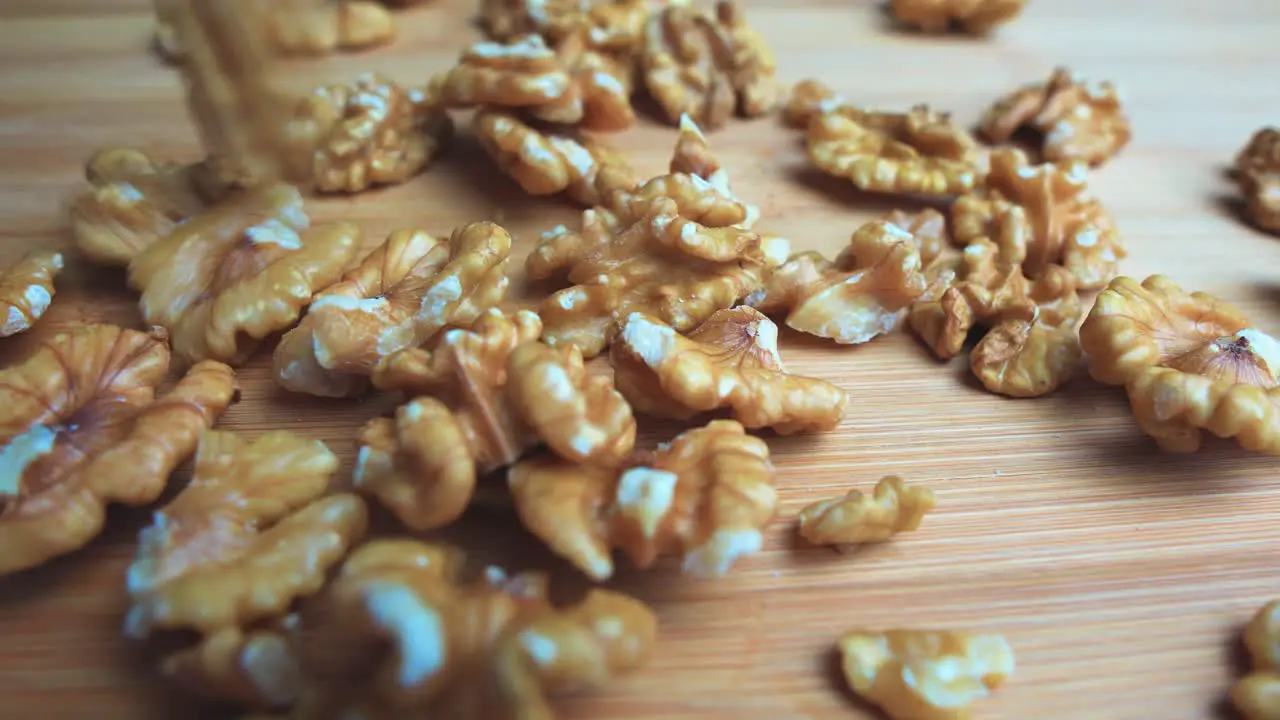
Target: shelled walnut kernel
{"points": [[399, 634], [26, 290], [973, 16], [1257, 694], [82, 428], [1077, 120], [856, 518], [401, 295], [730, 361], [924, 674], [238, 272], [1257, 171], [1189, 362]]}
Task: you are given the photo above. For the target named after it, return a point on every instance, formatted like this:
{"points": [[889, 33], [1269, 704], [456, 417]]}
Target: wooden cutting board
{"points": [[1121, 575]]}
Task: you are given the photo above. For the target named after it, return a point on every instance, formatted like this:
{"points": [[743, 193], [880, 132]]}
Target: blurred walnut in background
{"points": [[1257, 170], [972, 16]]}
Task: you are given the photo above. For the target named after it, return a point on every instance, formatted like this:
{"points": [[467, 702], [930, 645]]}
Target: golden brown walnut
{"points": [[247, 537], [977, 17], [546, 163], [927, 227], [26, 290], [730, 361], [856, 518], [924, 674], [1257, 694], [248, 668], [849, 307], [1190, 363], [706, 497], [131, 203], [488, 395], [1065, 224], [1078, 120], [608, 24], [81, 428], [707, 67], [399, 634], [1026, 358], [348, 138], [322, 28], [919, 152], [808, 99], [238, 272], [1257, 170], [520, 73], [401, 295]]}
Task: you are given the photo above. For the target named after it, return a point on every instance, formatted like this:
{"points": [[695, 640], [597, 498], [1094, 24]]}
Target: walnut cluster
{"points": [[1190, 363], [1257, 171]]}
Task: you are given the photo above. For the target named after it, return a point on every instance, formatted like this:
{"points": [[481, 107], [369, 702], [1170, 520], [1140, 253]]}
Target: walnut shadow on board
{"points": [[839, 191]]}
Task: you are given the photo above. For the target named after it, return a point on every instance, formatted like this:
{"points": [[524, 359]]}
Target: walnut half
{"points": [[706, 496], [973, 16], [925, 674], [1257, 170], [856, 518], [729, 361]]}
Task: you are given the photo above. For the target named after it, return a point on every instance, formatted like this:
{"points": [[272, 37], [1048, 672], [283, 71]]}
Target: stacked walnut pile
{"points": [[262, 563]]}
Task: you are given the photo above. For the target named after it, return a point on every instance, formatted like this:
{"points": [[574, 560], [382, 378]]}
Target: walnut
{"points": [[26, 290], [1257, 170], [497, 393], [1026, 358], [918, 152], [706, 496], [521, 73], [924, 674], [401, 295], [1190, 363], [810, 98], [1078, 120], [348, 138], [977, 17], [82, 428], [321, 28], [1257, 694], [242, 270], [608, 24], [399, 634], [848, 307], [856, 518], [249, 668], [928, 228], [549, 163], [131, 203], [1066, 225], [246, 538], [706, 67], [730, 361]]}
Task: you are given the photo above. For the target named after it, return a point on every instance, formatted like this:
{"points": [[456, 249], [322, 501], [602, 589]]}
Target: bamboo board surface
{"points": [[1121, 575]]}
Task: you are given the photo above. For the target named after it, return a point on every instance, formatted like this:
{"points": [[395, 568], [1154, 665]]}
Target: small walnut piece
{"points": [[856, 518], [249, 535], [706, 67], [26, 290], [1079, 120], [1257, 694], [399, 634], [729, 361], [918, 152], [1064, 223], [131, 203], [497, 393], [348, 138], [254, 668], [1257, 170], [82, 428], [608, 24], [706, 497], [321, 28], [808, 99], [521, 73], [1190, 363], [848, 307], [402, 294], [972, 16], [1026, 358], [549, 163], [925, 674], [238, 272]]}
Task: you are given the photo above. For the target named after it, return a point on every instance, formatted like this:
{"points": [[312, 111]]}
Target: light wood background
{"points": [[1121, 575]]}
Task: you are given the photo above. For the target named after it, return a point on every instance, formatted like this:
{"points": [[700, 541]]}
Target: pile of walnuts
{"points": [[262, 560]]}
